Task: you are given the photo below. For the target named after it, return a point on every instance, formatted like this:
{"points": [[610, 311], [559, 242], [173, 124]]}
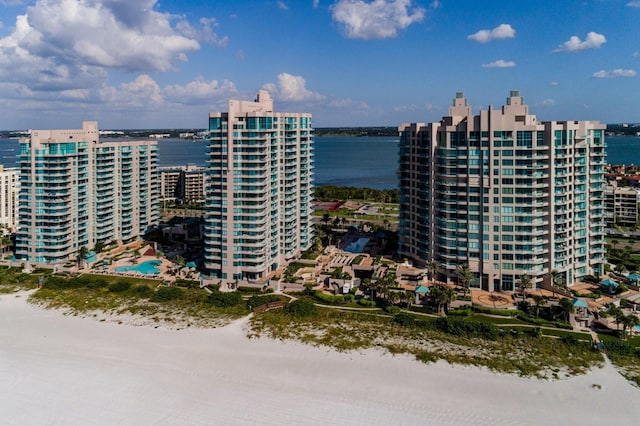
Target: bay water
{"points": [[365, 161]]}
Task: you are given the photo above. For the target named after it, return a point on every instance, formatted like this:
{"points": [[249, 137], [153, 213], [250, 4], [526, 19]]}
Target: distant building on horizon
{"points": [[503, 193], [9, 188], [259, 190], [77, 191]]}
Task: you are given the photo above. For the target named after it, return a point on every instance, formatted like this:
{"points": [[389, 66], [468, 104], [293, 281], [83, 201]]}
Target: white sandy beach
{"points": [[60, 370]]}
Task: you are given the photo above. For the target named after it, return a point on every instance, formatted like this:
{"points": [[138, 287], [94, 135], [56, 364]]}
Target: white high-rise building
{"points": [[503, 193], [9, 187], [259, 189], [76, 191]]}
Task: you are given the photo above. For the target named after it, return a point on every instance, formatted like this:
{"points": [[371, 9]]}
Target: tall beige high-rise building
{"points": [[259, 189], [503, 193], [9, 187], [77, 191]]}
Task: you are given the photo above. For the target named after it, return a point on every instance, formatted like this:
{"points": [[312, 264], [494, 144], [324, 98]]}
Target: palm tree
{"points": [[617, 313], [81, 254], [442, 297], [629, 321], [620, 268], [326, 218], [525, 283], [434, 268], [539, 301], [408, 298], [343, 221], [465, 276], [556, 277], [567, 307]]}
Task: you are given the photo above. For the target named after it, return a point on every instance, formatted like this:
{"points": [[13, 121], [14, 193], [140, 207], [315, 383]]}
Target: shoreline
{"points": [[57, 368]]}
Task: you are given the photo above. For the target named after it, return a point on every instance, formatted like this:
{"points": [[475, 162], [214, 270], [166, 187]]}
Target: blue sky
{"points": [[150, 63]]}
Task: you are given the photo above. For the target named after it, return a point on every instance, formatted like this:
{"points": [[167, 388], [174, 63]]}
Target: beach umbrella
{"points": [[579, 303], [422, 290], [634, 277], [609, 283]]}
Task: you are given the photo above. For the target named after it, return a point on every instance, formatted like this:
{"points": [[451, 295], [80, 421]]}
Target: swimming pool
{"points": [[357, 246], [150, 267]]}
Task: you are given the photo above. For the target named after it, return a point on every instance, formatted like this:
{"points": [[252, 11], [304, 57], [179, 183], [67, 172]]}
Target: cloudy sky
{"points": [[150, 63]]}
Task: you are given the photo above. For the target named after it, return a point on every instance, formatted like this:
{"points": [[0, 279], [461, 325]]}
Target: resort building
{"points": [[259, 189], [182, 184], [9, 187], [621, 206], [503, 193], [76, 192]]}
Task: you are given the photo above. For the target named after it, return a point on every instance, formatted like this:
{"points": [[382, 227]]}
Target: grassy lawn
{"points": [[518, 353]]}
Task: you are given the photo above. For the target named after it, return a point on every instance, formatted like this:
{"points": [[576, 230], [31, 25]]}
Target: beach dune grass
{"points": [[13, 280], [458, 341], [143, 298]]}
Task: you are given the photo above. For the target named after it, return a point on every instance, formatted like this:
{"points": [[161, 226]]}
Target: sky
{"points": [[167, 63]]}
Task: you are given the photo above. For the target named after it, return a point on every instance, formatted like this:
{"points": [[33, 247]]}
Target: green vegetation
{"points": [[456, 340], [332, 192], [13, 280], [625, 355], [144, 299]]}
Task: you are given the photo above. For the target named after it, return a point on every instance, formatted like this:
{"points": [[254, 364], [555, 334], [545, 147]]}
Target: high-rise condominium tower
{"points": [[503, 193], [77, 191], [9, 187], [259, 191]]}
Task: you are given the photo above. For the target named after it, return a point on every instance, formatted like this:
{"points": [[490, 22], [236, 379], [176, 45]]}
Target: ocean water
{"points": [[346, 161]]}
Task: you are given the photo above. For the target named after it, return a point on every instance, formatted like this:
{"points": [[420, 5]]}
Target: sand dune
{"points": [[60, 370]]}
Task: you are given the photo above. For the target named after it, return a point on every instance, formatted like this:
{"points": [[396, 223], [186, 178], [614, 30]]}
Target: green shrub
{"points": [[188, 283], [502, 312], [405, 319], [333, 300], [245, 289], [392, 309], [255, 301], [142, 290], [165, 294], [119, 286], [59, 283], [301, 308], [224, 300], [462, 312], [367, 303], [96, 283], [467, 328]]}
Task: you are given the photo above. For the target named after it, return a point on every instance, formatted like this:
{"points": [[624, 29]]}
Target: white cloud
{"points": [[618, 72], [548, 102], [282, 6], [204, 33], [435, 4], [634, 3], [574, 44], [316, 3], [377, 19], [142, 92], [291, 88], [502, 31], [70, 44], [554, 83], [636, 54], [199, 89], [499, 64]]}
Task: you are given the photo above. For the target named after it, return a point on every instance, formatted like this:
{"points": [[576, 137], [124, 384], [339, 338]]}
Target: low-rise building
{"points": [[621, 206], [183, 184]]}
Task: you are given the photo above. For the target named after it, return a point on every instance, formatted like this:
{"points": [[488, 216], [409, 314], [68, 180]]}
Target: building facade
{"points": [[621, 206], [259, 189], [504, 194], [183, 184], [76, 191], [9, 187]]}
